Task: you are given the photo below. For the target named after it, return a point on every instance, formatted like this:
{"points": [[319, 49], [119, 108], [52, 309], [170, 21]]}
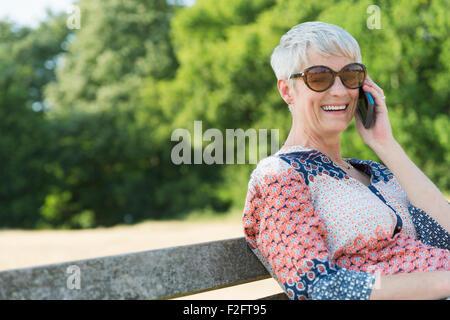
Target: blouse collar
{"points": [[372, 169]]}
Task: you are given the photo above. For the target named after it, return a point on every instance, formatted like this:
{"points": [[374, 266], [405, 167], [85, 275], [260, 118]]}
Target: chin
{"points": [[337, 129]]}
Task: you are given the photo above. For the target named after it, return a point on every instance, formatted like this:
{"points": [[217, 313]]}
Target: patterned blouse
{"points": [[322, 234]]}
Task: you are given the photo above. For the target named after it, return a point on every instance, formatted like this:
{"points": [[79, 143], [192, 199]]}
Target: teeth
{"points": [[333, 108]]}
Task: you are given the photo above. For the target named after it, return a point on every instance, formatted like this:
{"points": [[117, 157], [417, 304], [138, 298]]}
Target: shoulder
{"points": [[274, 169]]}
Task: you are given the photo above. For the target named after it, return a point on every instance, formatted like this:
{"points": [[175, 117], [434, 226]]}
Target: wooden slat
{"points": [[156, 274]]}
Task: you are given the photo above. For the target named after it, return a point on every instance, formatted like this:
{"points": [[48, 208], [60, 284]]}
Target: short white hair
{"points": [[291, 55]]}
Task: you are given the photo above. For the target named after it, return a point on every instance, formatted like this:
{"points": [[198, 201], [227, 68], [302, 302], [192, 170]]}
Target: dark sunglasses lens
{"points": [[319, 78], [353, 76]]}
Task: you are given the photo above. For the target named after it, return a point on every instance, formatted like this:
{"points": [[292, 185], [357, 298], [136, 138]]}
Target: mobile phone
{"points": [[366, 108]]}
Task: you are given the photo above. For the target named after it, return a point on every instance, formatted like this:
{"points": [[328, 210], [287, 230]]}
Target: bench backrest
{"points": [[157, 274]]}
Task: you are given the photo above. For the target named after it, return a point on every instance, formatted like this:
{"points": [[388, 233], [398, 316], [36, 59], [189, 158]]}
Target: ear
{"points": [[285, 90]]}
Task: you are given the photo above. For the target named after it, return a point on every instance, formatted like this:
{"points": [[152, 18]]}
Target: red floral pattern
{"points": [[299, 246]]}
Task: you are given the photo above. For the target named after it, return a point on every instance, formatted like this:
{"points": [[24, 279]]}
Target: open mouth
{"points": [[335, 108]]}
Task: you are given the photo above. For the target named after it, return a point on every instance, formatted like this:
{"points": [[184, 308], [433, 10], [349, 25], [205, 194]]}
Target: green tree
{"points": [[118, 44], [26, 64], [112, 154]]}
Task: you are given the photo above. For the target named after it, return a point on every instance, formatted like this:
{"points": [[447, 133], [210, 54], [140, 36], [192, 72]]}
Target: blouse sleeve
{"points": [[288, 237], [428, 230]]}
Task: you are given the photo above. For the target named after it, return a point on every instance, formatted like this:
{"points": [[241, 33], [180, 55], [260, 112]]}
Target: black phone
{"points": [[366, 108]]}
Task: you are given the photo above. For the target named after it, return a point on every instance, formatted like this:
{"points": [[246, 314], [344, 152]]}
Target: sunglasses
{"points": [[320, 78]]}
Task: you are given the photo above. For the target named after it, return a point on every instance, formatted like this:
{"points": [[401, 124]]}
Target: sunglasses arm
{"points": [[297, 75]]}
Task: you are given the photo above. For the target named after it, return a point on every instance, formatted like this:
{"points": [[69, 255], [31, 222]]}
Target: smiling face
{"points": [[313, 110]]}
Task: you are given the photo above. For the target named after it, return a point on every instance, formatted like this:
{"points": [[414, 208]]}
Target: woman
{"points": [[332, 228]]}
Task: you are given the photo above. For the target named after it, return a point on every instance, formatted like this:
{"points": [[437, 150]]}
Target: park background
{"points": [[86, 114]]}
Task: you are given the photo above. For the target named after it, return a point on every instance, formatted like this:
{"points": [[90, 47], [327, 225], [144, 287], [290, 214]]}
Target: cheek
{"points": [[354, 98], [303, 98]]}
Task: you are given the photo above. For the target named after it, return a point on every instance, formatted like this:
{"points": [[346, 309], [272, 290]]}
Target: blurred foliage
{"points": [[86, 116], [26, 65]]}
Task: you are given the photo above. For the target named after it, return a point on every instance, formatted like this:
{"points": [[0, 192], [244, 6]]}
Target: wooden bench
{"points": [[156, 274]]}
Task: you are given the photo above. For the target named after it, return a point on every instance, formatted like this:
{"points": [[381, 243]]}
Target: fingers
{"points": [[370, 83], [375, 90], [377, 96]]}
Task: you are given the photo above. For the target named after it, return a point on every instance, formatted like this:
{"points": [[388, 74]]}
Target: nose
{"points": [[338, 88]]}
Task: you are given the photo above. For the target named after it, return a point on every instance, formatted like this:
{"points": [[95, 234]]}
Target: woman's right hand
{"points": [[379, 135]]}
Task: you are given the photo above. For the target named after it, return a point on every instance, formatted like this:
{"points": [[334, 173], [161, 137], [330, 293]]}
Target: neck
{"points": [[328, 145]]}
